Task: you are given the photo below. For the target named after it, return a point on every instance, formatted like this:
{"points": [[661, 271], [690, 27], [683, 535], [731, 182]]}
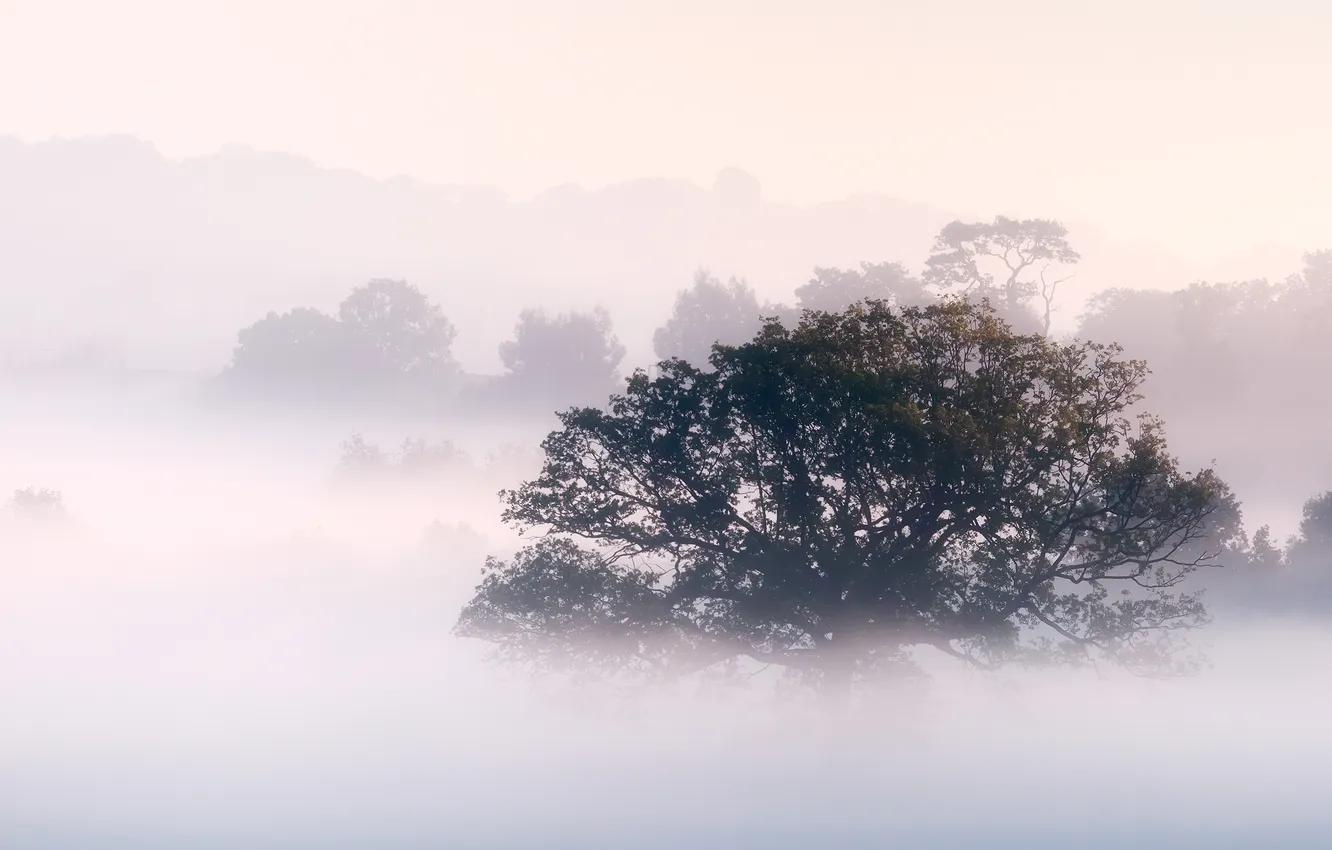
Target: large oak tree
{"points": [[831, 496]]}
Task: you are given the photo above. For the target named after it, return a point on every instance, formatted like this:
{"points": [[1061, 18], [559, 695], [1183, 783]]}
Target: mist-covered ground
{"points": [[233, 645]]}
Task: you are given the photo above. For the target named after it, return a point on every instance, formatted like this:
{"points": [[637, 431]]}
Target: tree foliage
{"points": [[830, 496]]}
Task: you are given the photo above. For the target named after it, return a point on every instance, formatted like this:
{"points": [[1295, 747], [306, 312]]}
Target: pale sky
{"points": [[1201, 126]]}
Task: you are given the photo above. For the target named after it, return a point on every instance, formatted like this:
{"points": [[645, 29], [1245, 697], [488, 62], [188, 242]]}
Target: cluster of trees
{"points": [[1216, 346], [389, 343], [1015, 265], [362, 459], [387, 340], [892, 462], [421, 461], [38, 508]]}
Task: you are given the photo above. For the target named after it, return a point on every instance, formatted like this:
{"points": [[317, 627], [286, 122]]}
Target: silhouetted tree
{"points": [[833, 289], [570, 356], [408, 330], [707, 313], [1030, 257], [1311, 546], [825, 498]]}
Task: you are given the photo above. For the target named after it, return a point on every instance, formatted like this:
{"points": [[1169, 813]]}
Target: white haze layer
{"points": [[228, 651]]}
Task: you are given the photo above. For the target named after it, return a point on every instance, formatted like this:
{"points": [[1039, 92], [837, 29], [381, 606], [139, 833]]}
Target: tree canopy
{"points": [[831, 496]]}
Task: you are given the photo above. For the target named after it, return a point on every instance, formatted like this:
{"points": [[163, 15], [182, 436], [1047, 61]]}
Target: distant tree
{"points": [[1211, 343], [409, 331], [302, 351], [1308, 302], [707, 313], [388, 343], [39, 506], [418, 456], [564, 356], [1263, 554], [1012, 263], [1311, 547], [1141, 319], [360, 457], [828, 497], [833, 289], [417, 459]]}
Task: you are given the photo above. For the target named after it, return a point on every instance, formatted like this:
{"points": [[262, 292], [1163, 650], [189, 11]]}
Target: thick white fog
{"points": [[226, 647]]}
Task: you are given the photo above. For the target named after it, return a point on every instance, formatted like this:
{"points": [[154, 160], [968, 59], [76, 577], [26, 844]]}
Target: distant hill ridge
{"points": [[106, 242]]}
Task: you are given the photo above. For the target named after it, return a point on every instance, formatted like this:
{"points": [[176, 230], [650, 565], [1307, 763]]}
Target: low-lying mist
{"points": [[229, 646]]}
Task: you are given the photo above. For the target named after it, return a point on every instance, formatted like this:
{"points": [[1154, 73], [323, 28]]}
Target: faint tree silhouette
{"points": [[833, 289], [1030, 257], [570, 356], [408, 330], [707, 313]]}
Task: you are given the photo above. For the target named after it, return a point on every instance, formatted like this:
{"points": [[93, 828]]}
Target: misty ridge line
{"points": [[113, 235]]}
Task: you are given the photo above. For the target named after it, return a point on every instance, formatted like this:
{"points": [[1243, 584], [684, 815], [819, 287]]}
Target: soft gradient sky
{"points": [[1198, 125]]}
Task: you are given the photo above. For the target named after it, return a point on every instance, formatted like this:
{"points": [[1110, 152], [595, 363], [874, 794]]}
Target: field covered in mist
{"points": [[232, 643]]}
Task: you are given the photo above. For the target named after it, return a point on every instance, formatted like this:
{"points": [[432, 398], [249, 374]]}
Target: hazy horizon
{"points": [[1032, 109]]}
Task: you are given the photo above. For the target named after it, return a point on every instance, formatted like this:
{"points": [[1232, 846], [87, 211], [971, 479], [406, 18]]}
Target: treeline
{"points": [[1253, 354], [1237, 368], [389, 344]]}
